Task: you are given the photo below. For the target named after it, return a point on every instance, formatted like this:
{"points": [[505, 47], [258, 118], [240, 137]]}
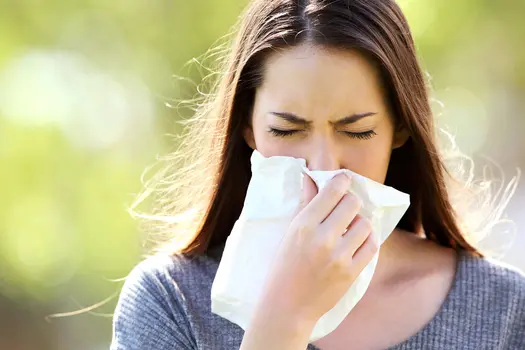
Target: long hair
{"points": [[199, 194]]}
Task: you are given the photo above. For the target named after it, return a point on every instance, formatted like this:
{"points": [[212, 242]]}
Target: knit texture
{"points": [[165, 304]]}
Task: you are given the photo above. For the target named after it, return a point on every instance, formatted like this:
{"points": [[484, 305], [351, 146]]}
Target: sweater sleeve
{"points": [[147, 316]]}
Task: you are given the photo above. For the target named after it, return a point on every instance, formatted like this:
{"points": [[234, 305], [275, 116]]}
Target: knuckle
{"points": [[343, 265], [340, 264], [325, 246]]}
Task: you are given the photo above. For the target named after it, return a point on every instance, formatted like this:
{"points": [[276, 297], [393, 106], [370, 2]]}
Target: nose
{"points": [[322, 155]]}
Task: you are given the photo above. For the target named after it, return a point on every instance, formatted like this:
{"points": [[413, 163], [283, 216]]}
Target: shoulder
{"points": [[495, 293], [157, 301], [493, 288], [493, 275], [174, 266], [172, 275]]}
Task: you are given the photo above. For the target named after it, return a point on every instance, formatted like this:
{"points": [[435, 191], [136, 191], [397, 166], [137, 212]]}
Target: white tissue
{"points": [[272, 198]]}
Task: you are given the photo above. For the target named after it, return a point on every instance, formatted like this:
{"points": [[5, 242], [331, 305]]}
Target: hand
{"points": [[317, 261], [325, 249]]}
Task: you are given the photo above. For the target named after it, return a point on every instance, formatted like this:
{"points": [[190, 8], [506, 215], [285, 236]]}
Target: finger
{"points": [[366, 252], [359, 231], [326, 200], [342, 216], [309, 191]]}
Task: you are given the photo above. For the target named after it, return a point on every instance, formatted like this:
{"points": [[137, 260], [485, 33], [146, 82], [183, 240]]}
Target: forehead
{"points": [[321, 80]]}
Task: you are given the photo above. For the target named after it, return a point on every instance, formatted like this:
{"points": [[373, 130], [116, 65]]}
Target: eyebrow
{"points": [[294, 119], [353, 118]]}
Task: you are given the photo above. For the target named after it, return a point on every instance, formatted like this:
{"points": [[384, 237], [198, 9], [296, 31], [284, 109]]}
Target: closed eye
{"points": [[283, 133], [365, 135]]}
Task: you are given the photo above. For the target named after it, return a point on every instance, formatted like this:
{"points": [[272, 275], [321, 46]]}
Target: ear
{"points": [[249, 137], [401, 136]]}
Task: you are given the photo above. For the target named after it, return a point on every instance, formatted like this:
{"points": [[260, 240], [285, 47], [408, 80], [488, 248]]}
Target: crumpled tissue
{"points": [[271, 201]]}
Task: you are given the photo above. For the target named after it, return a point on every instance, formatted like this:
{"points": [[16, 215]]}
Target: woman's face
{"points": [[326, 106]]}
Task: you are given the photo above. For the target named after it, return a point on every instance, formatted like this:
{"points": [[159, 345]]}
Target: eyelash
{"points": [[366, 135]]}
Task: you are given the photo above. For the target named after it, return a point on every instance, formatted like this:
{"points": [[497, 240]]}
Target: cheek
{"points": [[371, 159]]}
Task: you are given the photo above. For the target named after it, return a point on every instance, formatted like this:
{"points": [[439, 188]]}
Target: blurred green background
{"points": [[85, 88]]}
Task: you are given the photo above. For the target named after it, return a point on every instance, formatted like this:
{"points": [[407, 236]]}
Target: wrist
{"points": [[273, 328], [285, 313]]}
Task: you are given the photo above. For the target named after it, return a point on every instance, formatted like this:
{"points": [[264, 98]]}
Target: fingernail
{"points": [[348, 176]]}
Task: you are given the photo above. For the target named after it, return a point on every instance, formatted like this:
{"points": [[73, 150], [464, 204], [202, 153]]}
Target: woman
{"points": [[335, 82]]}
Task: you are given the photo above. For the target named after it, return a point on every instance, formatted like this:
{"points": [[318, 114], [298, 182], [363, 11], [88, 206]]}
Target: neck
{"points": [[397, 255]]}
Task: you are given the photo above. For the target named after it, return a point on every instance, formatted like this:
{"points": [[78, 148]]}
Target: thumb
{"points": [[308, 193]]}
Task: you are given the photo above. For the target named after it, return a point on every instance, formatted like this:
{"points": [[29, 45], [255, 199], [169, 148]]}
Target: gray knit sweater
{"points": [[165, 304]]}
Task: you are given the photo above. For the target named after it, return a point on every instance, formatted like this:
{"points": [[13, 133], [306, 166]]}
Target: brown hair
{"points": [[207, 178]]}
